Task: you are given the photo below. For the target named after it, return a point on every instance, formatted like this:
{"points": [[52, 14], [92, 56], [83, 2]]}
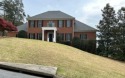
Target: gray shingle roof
{"points": [[81, 27], [22, 27], [51, 15]]}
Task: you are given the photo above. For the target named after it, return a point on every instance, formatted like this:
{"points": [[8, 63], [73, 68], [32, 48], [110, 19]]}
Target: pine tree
{"points": [[120, 54], [105, 27]]}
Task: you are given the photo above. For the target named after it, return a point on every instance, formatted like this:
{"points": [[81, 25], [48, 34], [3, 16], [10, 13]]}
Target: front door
{"points": [[50, 37]]}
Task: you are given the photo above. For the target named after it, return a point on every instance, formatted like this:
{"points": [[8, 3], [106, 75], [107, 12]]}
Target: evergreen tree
{"points": [[105, 30], [13, 11], [120, 54]]}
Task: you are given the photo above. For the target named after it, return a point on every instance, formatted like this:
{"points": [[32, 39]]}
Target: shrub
{"points": [[22, 34], [67, 43], [76, 42]]}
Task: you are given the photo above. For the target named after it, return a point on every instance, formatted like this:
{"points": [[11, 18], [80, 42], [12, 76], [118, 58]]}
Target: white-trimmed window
{"points": [[39, 23], [83, 36], [60, 23]]}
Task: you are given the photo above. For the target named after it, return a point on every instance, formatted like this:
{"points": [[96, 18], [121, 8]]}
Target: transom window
{"points": [[50, 24], [39, 23], [83, 36]]}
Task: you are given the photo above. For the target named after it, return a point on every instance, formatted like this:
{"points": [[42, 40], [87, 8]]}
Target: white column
{"points": [[54, 39], [42, 35]]}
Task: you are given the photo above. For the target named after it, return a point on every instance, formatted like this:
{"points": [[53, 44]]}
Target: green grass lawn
{"points": [[71, 62]]}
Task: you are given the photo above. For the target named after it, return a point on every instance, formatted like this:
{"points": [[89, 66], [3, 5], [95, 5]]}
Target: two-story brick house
{"points": [[49, 25]]}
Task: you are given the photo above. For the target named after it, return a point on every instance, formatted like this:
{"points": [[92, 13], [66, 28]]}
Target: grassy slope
{"points": [[71, 62]]}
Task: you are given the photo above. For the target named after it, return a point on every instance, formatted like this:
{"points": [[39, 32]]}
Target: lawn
{"points": [[71, 62]]}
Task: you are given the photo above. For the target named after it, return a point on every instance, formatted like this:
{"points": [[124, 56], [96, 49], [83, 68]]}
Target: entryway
{"points": [[50, 36]]}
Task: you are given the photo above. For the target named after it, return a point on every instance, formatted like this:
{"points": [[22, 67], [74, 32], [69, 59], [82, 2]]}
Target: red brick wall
{"points": [[63, 29], [12, 34], [90, 35]]}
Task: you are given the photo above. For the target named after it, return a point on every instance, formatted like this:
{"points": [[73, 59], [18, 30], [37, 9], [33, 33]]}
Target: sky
{"points": [[86, 11]]}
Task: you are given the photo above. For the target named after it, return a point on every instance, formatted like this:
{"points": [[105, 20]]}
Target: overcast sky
{"points": [[86, 11]]}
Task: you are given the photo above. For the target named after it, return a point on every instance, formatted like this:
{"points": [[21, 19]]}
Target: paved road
{"points": [[10, 74]]}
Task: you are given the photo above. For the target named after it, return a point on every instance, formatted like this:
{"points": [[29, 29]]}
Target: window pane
{"points": [[40, 36], [68, 36], [50, 24], [31, 35], [60, 23], [83, 36], [68, 23], [40, 23], [32, 24]]}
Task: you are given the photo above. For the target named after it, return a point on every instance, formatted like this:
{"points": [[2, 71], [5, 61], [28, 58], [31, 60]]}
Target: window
{"points": [[61, 36], [83, 36], [50, 24], [39, 23], [32, 35], [68, 23], [68, 36], [60, 23], [39, 36], [32, 23]]}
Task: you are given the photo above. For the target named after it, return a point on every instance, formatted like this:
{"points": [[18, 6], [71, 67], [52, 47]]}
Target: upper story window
{"points": [[60, 23], [32, 23], [83, 36], [68, 23], [51, 24], [39, 23]]}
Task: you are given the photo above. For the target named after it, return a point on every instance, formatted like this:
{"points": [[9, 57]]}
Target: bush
{"points": [[22, 34], [86, 45], [76, 42], [67, 43]]}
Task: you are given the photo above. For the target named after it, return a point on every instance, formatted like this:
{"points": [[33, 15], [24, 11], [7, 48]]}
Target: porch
{"points": [[49, 34]]}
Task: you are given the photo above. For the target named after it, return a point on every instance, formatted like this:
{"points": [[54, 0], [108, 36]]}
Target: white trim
{"points": [[49, 28]]}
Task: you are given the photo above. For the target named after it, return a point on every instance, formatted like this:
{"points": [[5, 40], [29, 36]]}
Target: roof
{"points": [[51, 15], [81, 27], [22, 27]]}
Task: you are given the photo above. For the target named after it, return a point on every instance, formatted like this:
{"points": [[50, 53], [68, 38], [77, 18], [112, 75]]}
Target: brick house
{"points": [[50, 25]]}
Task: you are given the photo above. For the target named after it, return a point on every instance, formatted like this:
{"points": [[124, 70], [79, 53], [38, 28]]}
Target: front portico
{"points": [[51, 36]]}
